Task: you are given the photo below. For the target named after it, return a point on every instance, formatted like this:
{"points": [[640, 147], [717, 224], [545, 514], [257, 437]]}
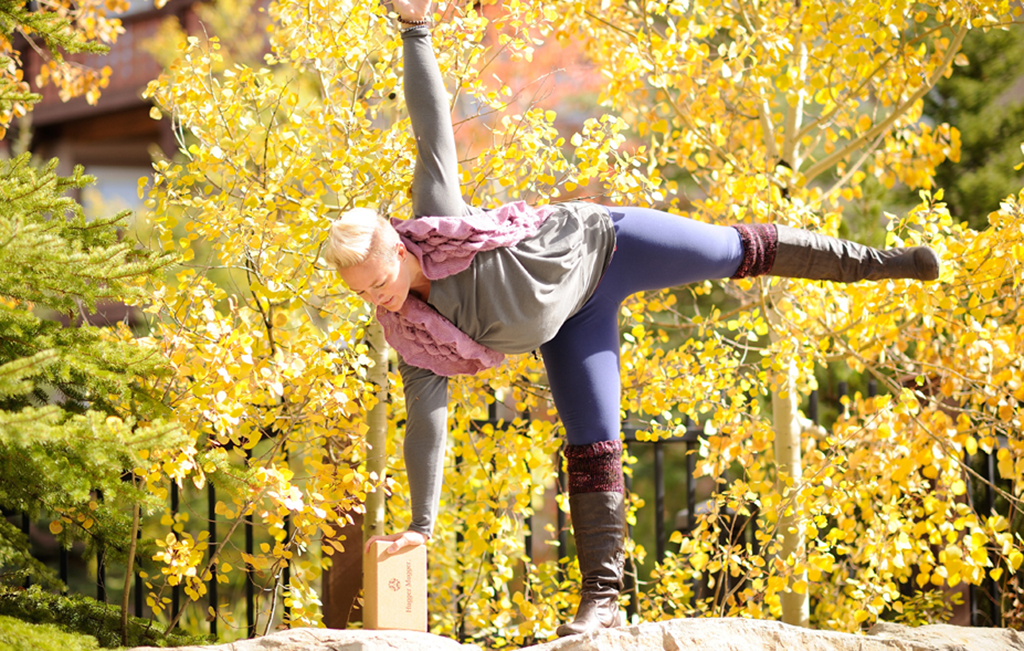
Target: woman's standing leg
{"points": [[582, 362]]}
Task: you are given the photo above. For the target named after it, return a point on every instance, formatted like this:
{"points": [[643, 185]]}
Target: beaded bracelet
{"points": [[422, 21]]}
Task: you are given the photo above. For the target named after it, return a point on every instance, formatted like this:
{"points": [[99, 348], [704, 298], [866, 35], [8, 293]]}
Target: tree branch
{"points": [[829, 161]]}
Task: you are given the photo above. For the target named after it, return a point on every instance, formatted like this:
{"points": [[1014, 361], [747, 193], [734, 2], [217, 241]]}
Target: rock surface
{"points": [[673, 635], [761, 635], [954, 637], [327, 639]]}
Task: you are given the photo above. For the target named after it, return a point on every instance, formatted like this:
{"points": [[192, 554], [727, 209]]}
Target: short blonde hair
{"points": [[356, 236]]}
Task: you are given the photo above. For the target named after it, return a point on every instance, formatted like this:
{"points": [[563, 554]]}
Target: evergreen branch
{"points": [[13, 423], [56, 32], [88, 366], [15, 551], [12, 92], [14, 374]]}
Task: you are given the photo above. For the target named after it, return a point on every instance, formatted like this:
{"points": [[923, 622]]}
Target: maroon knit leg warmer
{"points": [[760, 242], [595, 468]]}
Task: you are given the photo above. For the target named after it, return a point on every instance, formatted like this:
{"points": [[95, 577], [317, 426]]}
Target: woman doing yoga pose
{"points": [[457, 288]]}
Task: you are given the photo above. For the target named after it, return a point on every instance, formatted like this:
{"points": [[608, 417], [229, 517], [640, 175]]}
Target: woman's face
{"points": [[383, 280]]}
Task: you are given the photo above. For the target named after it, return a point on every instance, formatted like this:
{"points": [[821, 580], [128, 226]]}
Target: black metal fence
{"points": [[984, 601]]}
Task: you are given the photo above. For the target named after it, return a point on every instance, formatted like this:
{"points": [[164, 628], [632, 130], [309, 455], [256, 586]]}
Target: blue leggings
{"points": [[654, 250]]}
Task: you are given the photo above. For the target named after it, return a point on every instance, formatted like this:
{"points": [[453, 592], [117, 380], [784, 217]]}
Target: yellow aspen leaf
{"points": [[1006, 413], [56, 527], [1004, 463], [1015, 558], [824, 562], [971, 445], [699, 561]]}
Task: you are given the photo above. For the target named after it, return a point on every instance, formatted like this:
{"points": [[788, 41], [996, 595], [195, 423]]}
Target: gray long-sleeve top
{"points": [[511, 299]]}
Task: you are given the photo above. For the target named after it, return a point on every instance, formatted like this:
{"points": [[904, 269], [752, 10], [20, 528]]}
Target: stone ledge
{"points": [[674, 635], [326, 639]]}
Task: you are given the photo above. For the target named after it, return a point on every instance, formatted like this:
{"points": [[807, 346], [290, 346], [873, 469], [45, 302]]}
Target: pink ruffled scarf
{"points": [[445, 246]]}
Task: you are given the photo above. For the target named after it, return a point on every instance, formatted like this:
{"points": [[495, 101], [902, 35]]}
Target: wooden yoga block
{"points": [[395, 588]]}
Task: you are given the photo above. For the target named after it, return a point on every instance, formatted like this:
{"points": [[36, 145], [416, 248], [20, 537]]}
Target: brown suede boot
{"points": [[599, 527], [598, 509], [804, 254], [796, 253]]}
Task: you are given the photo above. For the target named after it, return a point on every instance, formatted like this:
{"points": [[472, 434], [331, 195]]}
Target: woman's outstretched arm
{"points": [[435, 187], [426, 436]]}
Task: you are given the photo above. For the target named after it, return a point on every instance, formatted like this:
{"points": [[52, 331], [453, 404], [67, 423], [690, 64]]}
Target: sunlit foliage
{"points": [[738, 112]]}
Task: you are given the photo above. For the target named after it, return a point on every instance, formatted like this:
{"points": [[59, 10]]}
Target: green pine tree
{"points": [[981, 101], [75, 406]]}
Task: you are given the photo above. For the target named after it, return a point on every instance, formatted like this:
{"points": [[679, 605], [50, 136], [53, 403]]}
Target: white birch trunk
{"points": [[795, 606], [376, 436]]}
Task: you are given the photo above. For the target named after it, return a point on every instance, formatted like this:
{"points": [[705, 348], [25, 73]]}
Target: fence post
{"points": [[528, 540], [995, 607], [62, 555], [250, 587], [101, 564], [176, 590], [659, 500], [460, 609], [287, 591], [563, 531], [629, 585], [994, 610], [691, 479], [139, 583], [211, 513], [25, 530]]}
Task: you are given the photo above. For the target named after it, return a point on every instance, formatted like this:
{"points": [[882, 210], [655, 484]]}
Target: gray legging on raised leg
{"points": [[653, 250]]}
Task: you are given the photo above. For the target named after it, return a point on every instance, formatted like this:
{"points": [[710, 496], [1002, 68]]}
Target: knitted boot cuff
{"points": [[759, 244], [595, 468]]}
